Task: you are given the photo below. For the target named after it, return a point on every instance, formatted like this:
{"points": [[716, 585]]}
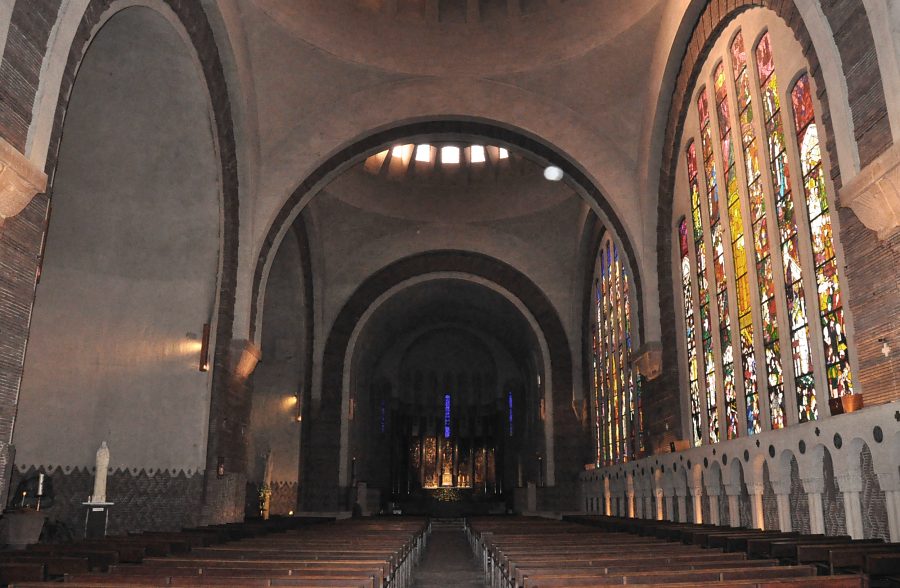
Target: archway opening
{"points": [[445, 402], [129, 275]]}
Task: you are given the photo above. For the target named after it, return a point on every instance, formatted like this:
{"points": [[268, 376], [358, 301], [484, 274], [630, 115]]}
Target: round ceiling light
{"points": [[553, 173]]}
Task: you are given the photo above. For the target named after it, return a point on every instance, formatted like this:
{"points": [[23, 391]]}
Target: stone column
{"points": [[680, 492], [660, 504], [758, 519], [607, 510], [713, 494], [782, 490], [851, 485], [814, 487], [733, 491], [629, 497], [890, 484], [638, 499], [697, 496], [648, 503]]}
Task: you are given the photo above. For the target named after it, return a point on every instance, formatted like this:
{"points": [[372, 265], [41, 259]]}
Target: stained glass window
{"points": [[616, 398], [764, 276], [726, 353], [509, 404], [804, 380], [831, 313], [774, 232], [446, 416], [690, 334]]}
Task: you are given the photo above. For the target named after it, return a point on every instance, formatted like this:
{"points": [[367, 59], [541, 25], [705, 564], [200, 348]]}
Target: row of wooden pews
{"points": [[52, 561], [877, 561], [372, 553], [531, 552]]}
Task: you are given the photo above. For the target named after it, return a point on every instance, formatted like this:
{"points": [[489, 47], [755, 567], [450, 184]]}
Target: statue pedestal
{"points": [[95, 519]]}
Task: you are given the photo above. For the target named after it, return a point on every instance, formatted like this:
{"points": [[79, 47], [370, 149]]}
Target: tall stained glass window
{"points": [[764, 276], [616, 397], [831, 312], [726, 354], [739, 257], [804, 380], [690, 334]]}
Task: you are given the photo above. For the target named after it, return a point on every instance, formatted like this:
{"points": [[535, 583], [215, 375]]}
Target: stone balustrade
{"points": [[835, 475]]}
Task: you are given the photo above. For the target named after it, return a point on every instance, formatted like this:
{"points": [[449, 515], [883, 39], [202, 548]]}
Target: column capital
{"points": [[813, 485], [20, 181], [696, 490], [851, 482], [889, 481], [733, 489], [781, 486], [756, 488]]}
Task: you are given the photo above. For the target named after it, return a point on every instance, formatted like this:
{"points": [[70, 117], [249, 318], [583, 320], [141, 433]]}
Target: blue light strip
{"points": [[446, 416]]}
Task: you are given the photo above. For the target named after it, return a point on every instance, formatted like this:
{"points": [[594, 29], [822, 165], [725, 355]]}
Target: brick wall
{"points": [[20, 71], [22, 235]]}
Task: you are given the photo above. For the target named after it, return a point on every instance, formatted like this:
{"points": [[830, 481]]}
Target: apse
{"points": [[444, 409]]}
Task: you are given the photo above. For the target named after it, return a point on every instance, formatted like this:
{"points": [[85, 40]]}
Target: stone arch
{"points": [[367, 143], [78, 23], [325, 425], [842, 149], [121, 262]]}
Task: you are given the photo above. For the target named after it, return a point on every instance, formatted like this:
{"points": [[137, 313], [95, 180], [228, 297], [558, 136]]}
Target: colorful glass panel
{"points": [[617, 418], [834, 336], [718, 252], [690, 333], [804, 381]]}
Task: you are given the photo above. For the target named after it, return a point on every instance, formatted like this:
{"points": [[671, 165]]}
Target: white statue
{"points": [[102, 465]]}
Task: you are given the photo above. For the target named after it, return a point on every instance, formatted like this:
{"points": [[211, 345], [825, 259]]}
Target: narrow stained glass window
{"points": [[616, 400], [690, 333], [741, 277], [831, 312], [804, 381], [764, 277], [726, 355], [446, 416]]}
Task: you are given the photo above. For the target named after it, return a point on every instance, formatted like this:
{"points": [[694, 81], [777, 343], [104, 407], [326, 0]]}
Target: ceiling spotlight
{"points": [[553, 173]]}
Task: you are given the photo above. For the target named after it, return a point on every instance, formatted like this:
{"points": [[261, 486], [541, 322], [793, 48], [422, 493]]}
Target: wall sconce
{"points": [[220, 467], [204, 349]]}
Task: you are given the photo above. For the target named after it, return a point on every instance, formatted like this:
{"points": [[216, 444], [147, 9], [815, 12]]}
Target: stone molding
{"points": [[874, 194], [20, 181]]}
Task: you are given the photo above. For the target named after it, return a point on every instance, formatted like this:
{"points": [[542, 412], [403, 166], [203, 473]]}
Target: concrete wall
{"points": [[130, 270]]}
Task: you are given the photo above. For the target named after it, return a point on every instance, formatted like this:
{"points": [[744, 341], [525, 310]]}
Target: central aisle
{"points": [[448, 560]]}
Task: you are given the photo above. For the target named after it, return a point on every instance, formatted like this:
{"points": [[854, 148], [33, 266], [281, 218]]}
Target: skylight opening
{"points": [[450, 154], [423, 153], [504, 153], [476, 154]]}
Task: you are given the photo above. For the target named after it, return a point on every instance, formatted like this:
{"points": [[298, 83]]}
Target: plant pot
{"points": [[19, 528], [852, 402]]}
